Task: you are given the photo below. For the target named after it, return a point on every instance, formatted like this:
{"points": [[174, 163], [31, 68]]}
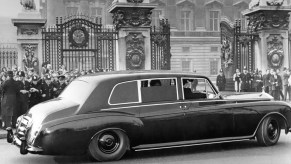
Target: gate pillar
{"points": [[270, 19], [29, 39], [132, 20]]}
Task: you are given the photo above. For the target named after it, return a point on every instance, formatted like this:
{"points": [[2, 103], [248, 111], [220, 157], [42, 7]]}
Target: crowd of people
{"points": [[20, 90], [274, 82]]}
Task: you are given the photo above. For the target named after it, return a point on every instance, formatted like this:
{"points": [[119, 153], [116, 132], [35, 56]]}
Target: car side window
{"points": [[125, 93], [154, 90], [197, 88]]}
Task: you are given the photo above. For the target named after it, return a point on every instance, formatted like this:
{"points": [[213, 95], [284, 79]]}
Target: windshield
{"points": [[77, 91]]}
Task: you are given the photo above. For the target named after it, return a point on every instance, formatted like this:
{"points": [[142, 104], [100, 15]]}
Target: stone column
{"points": [[269, 19], [29, 39], [132, 19]]}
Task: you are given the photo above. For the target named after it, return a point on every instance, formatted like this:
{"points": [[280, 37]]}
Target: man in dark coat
{"points": [[47, 88], [245, 80], [24, 87], [62, 85], [266, 81], [35, 95], [9, 105], [220, 81], [276, 84]]}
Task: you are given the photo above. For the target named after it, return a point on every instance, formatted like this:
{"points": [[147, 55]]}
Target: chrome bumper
{"points": [[22, 144]]}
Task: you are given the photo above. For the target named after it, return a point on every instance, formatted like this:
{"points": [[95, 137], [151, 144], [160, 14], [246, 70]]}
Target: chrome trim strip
{"points": [[188, 143], [178, 102]]}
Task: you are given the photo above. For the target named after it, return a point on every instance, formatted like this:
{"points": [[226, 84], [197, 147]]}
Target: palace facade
{"points": [[195, 26]]}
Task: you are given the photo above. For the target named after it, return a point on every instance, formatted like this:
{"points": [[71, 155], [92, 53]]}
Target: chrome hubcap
{"points": [[108, 142]]}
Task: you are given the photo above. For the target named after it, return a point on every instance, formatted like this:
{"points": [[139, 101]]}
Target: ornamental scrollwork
{"points": [[275, 2], [131, 17], [226, 51], [267, 20], [227, 40], [275, 54], [29, 59], [78, 36], [135, 56]]}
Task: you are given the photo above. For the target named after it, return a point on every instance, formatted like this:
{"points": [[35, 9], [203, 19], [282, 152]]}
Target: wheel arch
{"points": [[281, 118]]}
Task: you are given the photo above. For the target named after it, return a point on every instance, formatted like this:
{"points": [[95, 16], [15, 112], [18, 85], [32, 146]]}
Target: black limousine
{"points": [[106, 114]]}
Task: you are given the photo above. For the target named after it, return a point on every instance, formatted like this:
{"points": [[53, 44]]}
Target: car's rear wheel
{"points": [[268, 133], [108, 145]]}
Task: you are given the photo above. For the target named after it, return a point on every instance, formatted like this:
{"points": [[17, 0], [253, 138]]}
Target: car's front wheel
{"points": [[108, 145], [268, 133]]}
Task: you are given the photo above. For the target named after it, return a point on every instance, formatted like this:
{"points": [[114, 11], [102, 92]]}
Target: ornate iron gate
{"points": [[79, 42], [244, 48], [238, 47], [160, 46], [8, 56]]}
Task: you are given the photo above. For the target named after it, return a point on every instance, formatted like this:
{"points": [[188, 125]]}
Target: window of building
{"points": [[96, 12], [156, 17], [186, 49], [213, 67], [125, 93], [185, 20], [186, 66], [214, 49], [156, 90], [214, 20], [72, 10]]}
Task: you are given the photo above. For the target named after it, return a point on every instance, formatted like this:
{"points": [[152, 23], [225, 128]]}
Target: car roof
{"points": [[143, 74]]}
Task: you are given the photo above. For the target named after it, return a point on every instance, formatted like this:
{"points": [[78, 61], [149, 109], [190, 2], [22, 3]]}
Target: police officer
{"points": [[35, 95], [9, 107], [245, 80], [47, 88], [24, 87], [62, 85], [220, 81]]}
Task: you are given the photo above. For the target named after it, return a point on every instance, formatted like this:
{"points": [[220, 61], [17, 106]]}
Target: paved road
{"points": [[247, 152]]}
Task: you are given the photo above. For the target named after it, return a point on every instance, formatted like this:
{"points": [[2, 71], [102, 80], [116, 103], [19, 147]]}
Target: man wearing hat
{"points": [[220, 81], [47, 88], [35, 95], [24, 87], [62, 85], [245, 80], [9, 105]]}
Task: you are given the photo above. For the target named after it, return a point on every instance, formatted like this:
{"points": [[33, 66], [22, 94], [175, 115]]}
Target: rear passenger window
{"points": [[154, 90], [125, 93]]}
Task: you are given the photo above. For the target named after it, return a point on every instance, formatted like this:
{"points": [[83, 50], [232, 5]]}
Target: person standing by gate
{"points": [[276, 83], [47, 88], [286, 87], [220, 81], [237, 81], [35, 96], [24, 91], [9, 105]]}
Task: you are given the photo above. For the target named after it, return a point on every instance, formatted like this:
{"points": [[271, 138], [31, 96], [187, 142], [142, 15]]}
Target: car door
{"points": [[207, 117], [161, 112]]}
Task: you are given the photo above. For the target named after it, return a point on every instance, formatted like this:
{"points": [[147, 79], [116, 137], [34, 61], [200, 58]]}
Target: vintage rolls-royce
{"points": [[106, 114]]}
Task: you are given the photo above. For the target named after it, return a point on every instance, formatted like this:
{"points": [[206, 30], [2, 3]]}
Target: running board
{"points": [[186, 144]]}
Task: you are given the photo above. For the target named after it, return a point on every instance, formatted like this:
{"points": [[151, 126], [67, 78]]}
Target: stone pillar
{"points": [[132, 19], [29, 39], [269, 19]]}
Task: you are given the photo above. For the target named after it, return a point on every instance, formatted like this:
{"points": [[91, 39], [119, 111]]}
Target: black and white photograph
{"points": [[145, 81]]}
